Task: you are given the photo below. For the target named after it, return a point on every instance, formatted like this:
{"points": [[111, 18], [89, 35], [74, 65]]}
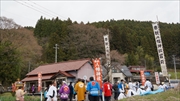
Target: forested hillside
{"points": [[131, 43], [19, 51], [133, 40], [128, 35]]}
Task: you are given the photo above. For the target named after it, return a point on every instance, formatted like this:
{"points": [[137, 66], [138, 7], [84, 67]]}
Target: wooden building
{"points": [[68, 71]]}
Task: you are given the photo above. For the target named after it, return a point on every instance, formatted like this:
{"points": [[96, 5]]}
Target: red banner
{"points": [[143, 78], [97, 71], [39, 82]]}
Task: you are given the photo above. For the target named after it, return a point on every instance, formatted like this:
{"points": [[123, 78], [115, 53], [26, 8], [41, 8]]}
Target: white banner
{"points": [[157, 78], [107, 49], [160, 51]]}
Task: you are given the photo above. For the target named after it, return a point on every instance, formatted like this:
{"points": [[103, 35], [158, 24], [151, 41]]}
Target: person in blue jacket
{"points": [[93, 89], [45, 94]]}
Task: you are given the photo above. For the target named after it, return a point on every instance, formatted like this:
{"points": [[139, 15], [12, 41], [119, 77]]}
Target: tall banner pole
{"points": [[160, 50], [108, 58]]}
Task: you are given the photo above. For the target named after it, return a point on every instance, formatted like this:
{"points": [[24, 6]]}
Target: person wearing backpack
{"points": [[64, 91], [93, 89], [45, 94]]}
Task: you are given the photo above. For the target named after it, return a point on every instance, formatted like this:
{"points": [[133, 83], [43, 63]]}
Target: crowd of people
{"points": [[93, 91], [123, 89], [81, 91]]}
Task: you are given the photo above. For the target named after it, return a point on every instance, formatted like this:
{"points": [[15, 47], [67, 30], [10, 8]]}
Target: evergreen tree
{"points": [[9, 63]]}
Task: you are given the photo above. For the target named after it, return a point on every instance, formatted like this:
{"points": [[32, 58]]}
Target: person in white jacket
{"points": [[148, 85], [52, 92], [131, 93], [139, 91]]}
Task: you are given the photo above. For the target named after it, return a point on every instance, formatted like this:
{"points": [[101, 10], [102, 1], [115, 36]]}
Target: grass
{"points": [[170, 95], [8, 97], [173, 75]]}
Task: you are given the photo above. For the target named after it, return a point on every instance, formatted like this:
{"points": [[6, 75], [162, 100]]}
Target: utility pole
{"points": [[56, 47], [145, 63], [174, 59]]}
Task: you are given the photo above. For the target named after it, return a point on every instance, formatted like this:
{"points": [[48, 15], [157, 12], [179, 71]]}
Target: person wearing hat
{"points": [[64, 91]]}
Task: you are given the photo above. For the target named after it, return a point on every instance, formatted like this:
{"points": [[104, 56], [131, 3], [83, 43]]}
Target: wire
{"points": [[39, 8], [46, 9], [33, 8]]}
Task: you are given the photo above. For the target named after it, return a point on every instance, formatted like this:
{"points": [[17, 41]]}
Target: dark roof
{"points": [[126, 71], [61, 66], [123, 69]]}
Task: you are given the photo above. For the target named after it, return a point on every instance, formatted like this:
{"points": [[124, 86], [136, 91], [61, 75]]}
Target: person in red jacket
{"points": [[107, 88]]}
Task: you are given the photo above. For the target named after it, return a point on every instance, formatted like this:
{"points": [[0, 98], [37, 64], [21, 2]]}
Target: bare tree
{"points": [[6, 23], [116, 56]]}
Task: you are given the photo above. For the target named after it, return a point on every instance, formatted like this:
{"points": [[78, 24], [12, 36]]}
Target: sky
{"points": [[27, 12]]}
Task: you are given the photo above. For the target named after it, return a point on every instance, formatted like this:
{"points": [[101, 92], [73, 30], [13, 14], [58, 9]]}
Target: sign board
{"points": [[159, 46], [97, 71], [157, 78], [85, 77], [39, 81]]}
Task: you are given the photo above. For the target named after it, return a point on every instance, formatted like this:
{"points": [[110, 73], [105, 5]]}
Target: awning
{"points": [[35, 78]]}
